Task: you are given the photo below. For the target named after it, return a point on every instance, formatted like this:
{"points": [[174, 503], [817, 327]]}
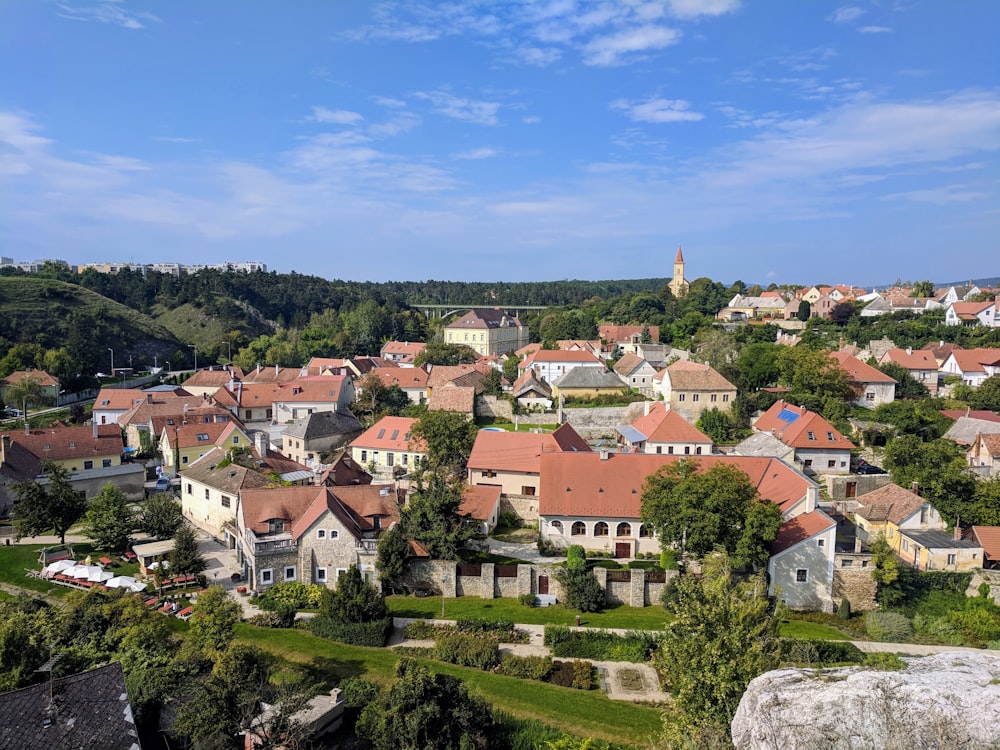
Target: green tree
{"points": [[812, 373], [717, 424], [449, 437], [939, 469], [700, 511], [431, 515], [804, 311], [424, 711], [581, 588], [110, 519], [390, 560], [161, 516], [987, 395], [907, 386], [26, 392], [886, 572], [510, 368], [493, 383], [354, 600], [722, 634], [56, 506], [923, 289], [26, 629], [436, 353], [213, 620], [986, 502], [185, 557], [757, 365]]}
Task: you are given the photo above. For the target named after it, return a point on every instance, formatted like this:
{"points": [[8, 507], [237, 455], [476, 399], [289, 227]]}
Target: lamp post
{"points": [[444, 580], [195, 356], [112, 361], [229, 357]]}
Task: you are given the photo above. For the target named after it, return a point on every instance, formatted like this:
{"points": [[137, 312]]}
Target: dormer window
{"points": [[829, 436], [812, 435], [275, 526], [202, 436], [170, 421]]}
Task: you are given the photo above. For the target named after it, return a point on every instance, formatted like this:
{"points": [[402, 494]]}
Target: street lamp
{"points": [[112, 361], [444, 580], [229, 358], [195, 356]]}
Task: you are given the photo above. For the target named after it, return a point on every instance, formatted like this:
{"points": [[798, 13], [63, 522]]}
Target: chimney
{"points": [[94, 422], [857, 544], [604, 454], [260, 441], [915, 488], [275, 370], [958, 532], [645, 408]]}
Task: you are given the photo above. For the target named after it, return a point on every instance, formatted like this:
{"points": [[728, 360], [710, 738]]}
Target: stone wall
{"points": [[599, 422], [491, 406], [855, 582], [836, 486], [524, 506], [422, 572]]}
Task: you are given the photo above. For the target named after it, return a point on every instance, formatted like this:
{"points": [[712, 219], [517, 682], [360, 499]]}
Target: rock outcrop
{"points": [[948, 701]]}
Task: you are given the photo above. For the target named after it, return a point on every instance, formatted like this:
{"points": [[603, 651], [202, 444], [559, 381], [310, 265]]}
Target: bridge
{"points": [[445, 311]]}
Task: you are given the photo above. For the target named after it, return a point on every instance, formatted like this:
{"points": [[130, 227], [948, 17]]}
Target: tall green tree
{"points": [[886, 572], [55, 507], [161, 516], [391, 557], [27, 392], [907, 386], [437, 353], [449, 437], [698, 512], [213, 621], [431, 515], [939, 469], [110, 519], [185, 557], [987, 395]]}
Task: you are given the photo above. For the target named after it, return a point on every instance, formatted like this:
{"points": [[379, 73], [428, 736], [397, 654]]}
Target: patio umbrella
{"points": [[120, 582], [137, 586], [59, 566], [77, 571], [99, 576]]}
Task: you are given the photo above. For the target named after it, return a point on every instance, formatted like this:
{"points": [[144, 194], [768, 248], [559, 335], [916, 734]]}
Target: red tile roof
{"points": [[390, 433], [911, 359], [889, 503], [318, 389], [694, 376], [61, 443], [988, 537], [972, 360], [522, 451], [271, 374], [451, 397], [858, 371], [408, 350], [213, 378], [794, 425], [585, 485], [479, 502], [800, 528], [465, 374], [192, 435], [663, 425], [404, 377], [987, 416], [561, 355], [44, 379]]}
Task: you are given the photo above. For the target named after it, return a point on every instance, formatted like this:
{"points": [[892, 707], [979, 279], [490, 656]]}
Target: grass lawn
{"points": [[429, 608], [14, 560], [811, 631], [585, 714]]}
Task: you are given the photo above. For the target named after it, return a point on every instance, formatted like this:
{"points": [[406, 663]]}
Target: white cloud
{"points": [[106, 11], [172, 139], [941, 196], [875, 30], [695, 8], [610, 50], [458, 108], [389, 102], [846, 14], [658, 110], [531, 120], [334, 116], [538, 56], [476, 153]]}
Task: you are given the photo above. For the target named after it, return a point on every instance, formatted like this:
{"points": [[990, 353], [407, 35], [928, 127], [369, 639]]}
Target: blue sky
{"points": [[776, 140]]}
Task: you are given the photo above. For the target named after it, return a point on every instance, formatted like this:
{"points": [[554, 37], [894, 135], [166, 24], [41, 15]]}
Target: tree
{"points": [[886, 572], [721, 636], [436, 353], [493, 383], [939, 469], [805, 310], [923, 289], [354, 600], [431, 515], [55, 507], [986, 503], [987, 395], [510, 368], [185, 557], [110, 519], [582, 590], [907, 386], [213, 619], [701, 511], [448, 436], [717, 424], [161, 516], [812, 373], [391, 557], [758, 365], [26, 629], [28, 391], [424, 711], [842, 312]]}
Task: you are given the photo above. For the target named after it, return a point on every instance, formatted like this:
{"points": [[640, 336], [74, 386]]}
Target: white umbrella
{"points": [[94, 573], [59, 566], [138, 586], [101, 577], [120, 582], [159, 564], [78, 571]]}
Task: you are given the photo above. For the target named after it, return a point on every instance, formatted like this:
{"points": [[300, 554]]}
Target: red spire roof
{"points": [[680, 255]]}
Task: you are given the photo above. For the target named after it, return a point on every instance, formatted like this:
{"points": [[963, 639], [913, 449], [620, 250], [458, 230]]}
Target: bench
{"points": [[105, 561], [185, 614]]}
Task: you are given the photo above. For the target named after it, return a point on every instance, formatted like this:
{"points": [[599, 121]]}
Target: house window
{"points": [[556, 527], [340, 572], [275, 526], [374, 457], [364, 456], [528, 490], [600, 528], [290, 573], [267, 576], [334, 534], [579, 528], [829, 436], [808, 462], [106, 463], [812, 435], [320, 575], [725, 397], [190, 489], [659, 449], [680, 396], [184, 459], [226, 502], [831, 464], [821, 542], [321, 533], [713, 397], [698, 450], [403, 459], [687, 450], [236, 439], [202, 436], [670, 450], [869, 396], [88, 464], [390, 459], [206, 493], [846, 563], [645, 531], [951, 559], [906, 545], [695, 397], [624, 529], [801, 575]]}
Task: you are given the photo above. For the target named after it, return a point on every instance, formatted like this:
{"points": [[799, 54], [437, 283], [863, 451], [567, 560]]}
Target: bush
{"points": [[527, 600], [668, 559], [844, 610], [525, 667], [582, 590], [583, 675], [294, 594], [601, 645], [645, 565], [556, 634], [545, 546], [797, 651], [937, 628], [372, 633], [575, 674], [977, 624], [888, 626], [478, 650], [419, 630], [576, 558], [882, 660], [503, 629]]}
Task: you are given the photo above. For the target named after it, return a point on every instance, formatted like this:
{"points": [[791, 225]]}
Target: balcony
{"points": [[366, 546], [270, 544]]}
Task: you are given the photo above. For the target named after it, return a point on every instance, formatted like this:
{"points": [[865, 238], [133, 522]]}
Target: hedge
{"points": [[481, 651], [524, 667], [374, 633], [600, 645]]}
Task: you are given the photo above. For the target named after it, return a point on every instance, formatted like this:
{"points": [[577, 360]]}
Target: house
{"points": [[344, 471], [311, 394], [965, 430], [636, 372], [85, 710], [973, 314], [210, 488], [587, 382], [487, 331], [742, 307], [464, 375], [481, 504], [765, 444], [251, 402], [311, 534], [691, 387], [972, 365], [984, 455], [870, 387], [956, 293], [988, 537], [403, 353], [512, 460], [531, 390], [48, 385], [410, 380], [17, 466], [111, 403], [627, 337], [143, 422], [920, 363], [662, 430], [183, 444], [207, 381], [800, 568], [594, 499], [75, 449], [939, 550], [271, 375], [456, 398], [552, 364], [819, 446], [388, 445], [321, 432], [941, 350]]}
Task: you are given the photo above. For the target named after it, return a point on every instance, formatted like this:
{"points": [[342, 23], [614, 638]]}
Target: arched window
{"points": [[624, 529], [556, 527], [600, 528], [645, 531], [579, 528]]}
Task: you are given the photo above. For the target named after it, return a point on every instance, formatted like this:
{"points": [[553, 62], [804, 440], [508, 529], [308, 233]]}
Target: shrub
{"points": [[844, 610], [984, 590], [297, 595], [600, 645], [882, 660], [527, 600], [888, 626], [576, 558], [371, 633], [977, 624], [583, 675], [797, 651], [419, 630], [358, 692], [645, 565], [267, 620], [545, 546], [481, 651], [561, 674], [556, 634], [668, 559], [583, 592], [525, 667]]}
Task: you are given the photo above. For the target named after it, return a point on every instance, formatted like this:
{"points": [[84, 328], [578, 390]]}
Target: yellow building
{"points": [[679, 285], [184, 444], [73, 448], [489, 331]]}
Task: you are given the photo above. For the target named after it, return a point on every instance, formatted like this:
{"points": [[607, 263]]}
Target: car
{"points": [[866, 468], [162, 483]]}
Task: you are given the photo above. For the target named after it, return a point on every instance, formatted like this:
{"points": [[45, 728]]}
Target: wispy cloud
{"points": [[846, 14], [106, 11], [941, 196], [459, 108], [476, 153], [657, 110], [695, 8], [875, 30], [334, 116], [617, 48], [172, 139]]}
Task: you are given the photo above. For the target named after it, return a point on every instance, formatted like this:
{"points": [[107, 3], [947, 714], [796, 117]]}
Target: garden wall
{"points": [[854, 582], [524, 506]]}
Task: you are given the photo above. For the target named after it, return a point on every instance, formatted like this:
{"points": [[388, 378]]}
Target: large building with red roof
{"points": [[869, 386], [819, 446], [388, 445], [691, 388], [662, 430]]}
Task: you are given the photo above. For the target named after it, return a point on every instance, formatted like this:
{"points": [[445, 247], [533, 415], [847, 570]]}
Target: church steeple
{"points": [[679, 284], [680, 255]]}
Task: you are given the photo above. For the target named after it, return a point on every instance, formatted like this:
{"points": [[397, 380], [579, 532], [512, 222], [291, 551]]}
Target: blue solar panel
{"points": [[787, 415]]}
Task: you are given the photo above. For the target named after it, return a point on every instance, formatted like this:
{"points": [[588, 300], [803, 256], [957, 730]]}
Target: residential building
{"points": [[973, 314], [388, 446], [251, 402], [511, 461], [456, 398], [210, 489], [482, 506], [800, 568], [625, 337], [111, 403], [965, 430], [403, 353], [691, 387], [144, 422], [531, 390], [48, 385], [920, 363], [183, 444], [636, 372], [984, 455], [304, 396], [956, 293], [988, 537], [552, 364], [972, 365], [410, 380], [662, 430], [743, 307], [207, 381], [941, 350], [73, 448], [870, 387], [306, 439], [587, 382], [276, 374], [819, 446], [487, 331]]}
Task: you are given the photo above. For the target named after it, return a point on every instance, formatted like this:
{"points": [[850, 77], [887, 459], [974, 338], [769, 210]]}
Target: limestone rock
{"points": [[949, 701]]}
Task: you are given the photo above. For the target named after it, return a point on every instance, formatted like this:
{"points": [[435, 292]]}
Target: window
{"points": [[320, 575], [695, 397], [624, 529], [808, 462], [403, 459], [226, 501], [290, 573], [725, 397], [390, 459], [670, 450], [334, 534], [374, 457], [713, 397], [811, 435], [267, 576], [340, 572], [659, 449], [556, 527], [869, 396], [579, 528], [698, 450], [106, 463], [236, 439], [951, 559], [202, 437], [275, 526], [846, 563], [321, 533], [680, 396], [364, 456], [184, 459], [906, 545], [831, 464], [528, 490], [206, 493], [687, 450], [821, 542], [645, 531], [801, 575], [88, 464], [600, 528], [829, 435]]}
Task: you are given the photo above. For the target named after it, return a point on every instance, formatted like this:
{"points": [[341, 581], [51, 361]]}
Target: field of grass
{"points": [[811, 631], [18, 558], [585, 714]]}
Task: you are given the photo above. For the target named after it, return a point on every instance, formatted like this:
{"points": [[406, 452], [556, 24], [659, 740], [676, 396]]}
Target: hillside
{"points": [[56, 314], [206, 326]]}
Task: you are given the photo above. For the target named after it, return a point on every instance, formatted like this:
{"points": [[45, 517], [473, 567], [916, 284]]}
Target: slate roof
{"points": [[484, 317], [323, 424], [965, 429], [522, 451], [800, 528], [88, 710], [938, 540], [229, 479], [588, 377], [889, 503]]}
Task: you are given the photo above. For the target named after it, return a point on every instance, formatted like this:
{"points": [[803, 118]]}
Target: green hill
{"points": [[208, 326], [55, 314]]}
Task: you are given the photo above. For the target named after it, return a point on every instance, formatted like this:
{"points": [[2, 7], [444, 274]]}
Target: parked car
{"points": [[162, 483], [866, 468]]}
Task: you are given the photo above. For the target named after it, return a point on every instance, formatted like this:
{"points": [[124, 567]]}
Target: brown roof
{"points": [[60, 443], [43, 378], [344, 471], [991, 442], [941, 349], [663, 425], [465, 374], [404, 377], [911, 359], [406, 349], [199, 434], [356, 507], [121, 398], [972, 360], [153, 406], [484, 317], [800, 528], [522, 451], [230, 478], [889, 503], [858, 371], [561, 355], [988, 537], [612, 333], [801, 428], [319, 389], [970, 310], [479, 502], [451, 397], [627, 364], [530, 382], [390, 433], [17, 463], [273, 374], [987, 416], [694, 376], [210, 378], [258, 506], [587, 485]]}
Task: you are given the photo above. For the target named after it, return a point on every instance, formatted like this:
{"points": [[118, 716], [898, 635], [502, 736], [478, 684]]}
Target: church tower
{"points": [[679, 285]]}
